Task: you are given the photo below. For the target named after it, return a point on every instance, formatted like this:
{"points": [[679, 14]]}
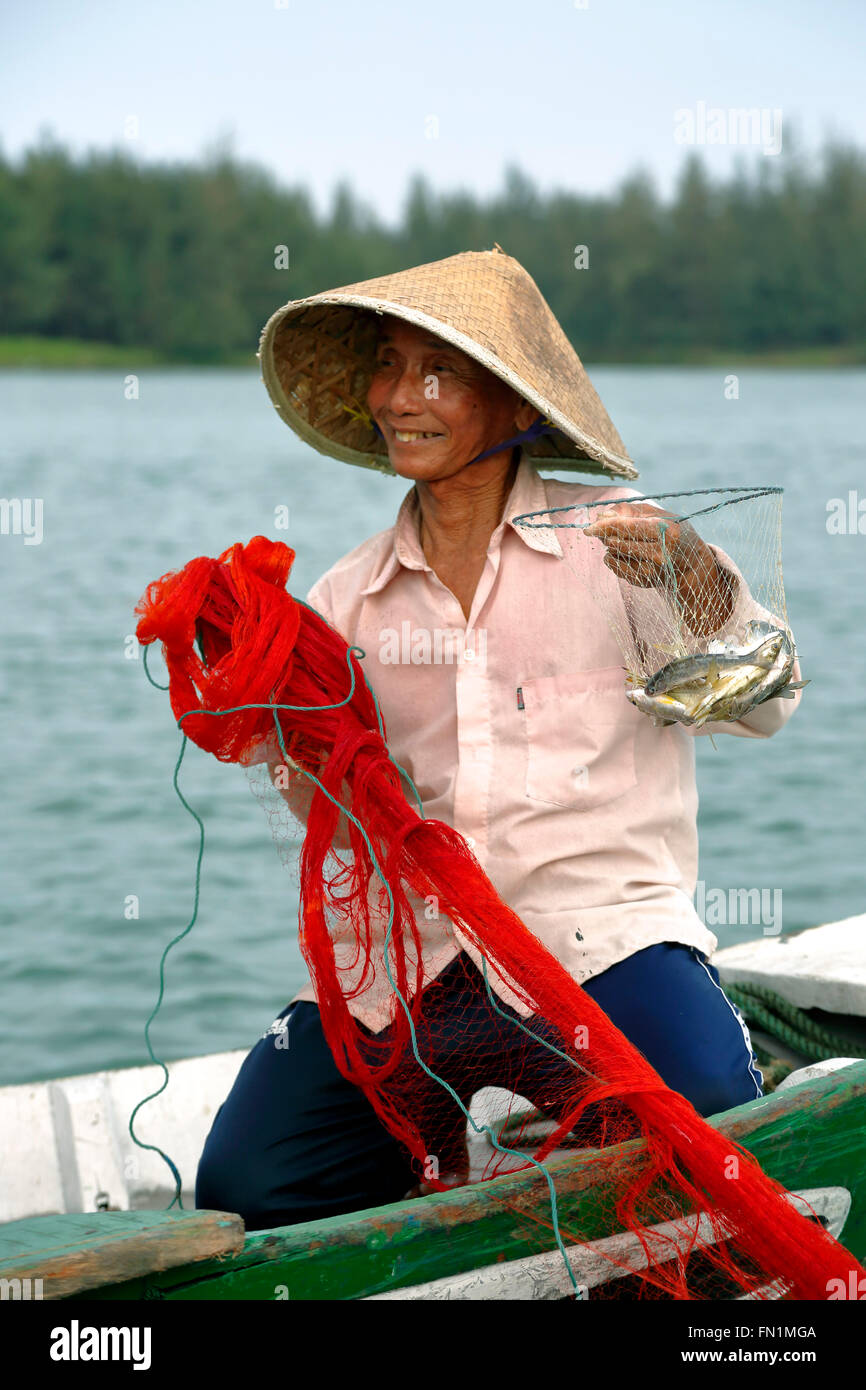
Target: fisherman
{"points": [[457, 377]]}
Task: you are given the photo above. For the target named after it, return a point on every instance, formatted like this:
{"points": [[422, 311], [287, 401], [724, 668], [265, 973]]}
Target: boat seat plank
{"points": [[821, 968], [79, 1251]]}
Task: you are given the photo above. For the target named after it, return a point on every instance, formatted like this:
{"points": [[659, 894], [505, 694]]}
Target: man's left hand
{"points": [[632, 534]]}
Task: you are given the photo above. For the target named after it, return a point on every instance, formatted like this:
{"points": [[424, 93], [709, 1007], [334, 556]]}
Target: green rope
{"points": [[766, 1009], [187, 929]]}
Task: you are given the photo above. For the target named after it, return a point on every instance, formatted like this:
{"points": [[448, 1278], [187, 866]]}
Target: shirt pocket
{"points": [[580, 737]]}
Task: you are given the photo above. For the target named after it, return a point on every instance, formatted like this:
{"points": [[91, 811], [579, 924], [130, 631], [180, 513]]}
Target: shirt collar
{"points": [[528, 494]]}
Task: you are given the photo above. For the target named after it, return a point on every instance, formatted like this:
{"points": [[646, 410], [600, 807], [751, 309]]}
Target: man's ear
{"points": [[526, 415]]}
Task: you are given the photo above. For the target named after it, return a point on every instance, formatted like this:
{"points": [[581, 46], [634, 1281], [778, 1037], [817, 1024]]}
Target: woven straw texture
{"points": [[316, 356]]}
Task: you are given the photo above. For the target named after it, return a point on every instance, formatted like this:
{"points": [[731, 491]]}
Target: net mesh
{"points": [[691, 586], [488, 1055]]}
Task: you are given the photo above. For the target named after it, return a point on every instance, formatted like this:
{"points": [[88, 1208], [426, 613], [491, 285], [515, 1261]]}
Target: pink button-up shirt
{"points": [[515, 728]]}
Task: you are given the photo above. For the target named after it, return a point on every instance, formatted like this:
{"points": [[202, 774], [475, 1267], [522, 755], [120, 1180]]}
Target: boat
{"points": [[84, 1210], [803, 995]]}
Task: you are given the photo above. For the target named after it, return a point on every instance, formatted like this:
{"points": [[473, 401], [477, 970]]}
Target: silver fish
{"points": [[722, 684], [662, 709], [777, 683], [708, 668]]}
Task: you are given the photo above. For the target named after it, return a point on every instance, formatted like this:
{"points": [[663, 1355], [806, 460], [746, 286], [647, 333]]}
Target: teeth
{"points": [[407, 436]]}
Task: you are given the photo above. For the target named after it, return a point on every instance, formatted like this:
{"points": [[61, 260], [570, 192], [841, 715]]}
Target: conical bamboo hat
{"points": [[316, 356]]}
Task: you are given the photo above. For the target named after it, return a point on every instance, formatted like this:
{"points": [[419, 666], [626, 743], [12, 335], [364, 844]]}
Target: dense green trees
{"points": [[181, 258]]}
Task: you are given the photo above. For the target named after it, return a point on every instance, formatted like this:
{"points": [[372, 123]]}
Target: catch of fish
{"points": [[724, 683]]}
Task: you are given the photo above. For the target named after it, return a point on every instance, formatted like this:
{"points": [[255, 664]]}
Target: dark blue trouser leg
{"points": [[295, 1141], [668, 1001]]}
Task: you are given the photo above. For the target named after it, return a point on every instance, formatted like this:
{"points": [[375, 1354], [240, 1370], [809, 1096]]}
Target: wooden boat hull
{"points": [[809, 1136]]}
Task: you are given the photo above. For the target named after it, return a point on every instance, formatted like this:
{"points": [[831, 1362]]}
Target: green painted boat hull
{"points": [[807, 1136]]}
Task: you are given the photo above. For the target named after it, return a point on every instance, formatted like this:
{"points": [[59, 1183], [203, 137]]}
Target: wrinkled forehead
{"points": [[396, 332]]}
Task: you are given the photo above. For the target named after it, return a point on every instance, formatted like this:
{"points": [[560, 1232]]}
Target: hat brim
{"points": [[329, 340]]}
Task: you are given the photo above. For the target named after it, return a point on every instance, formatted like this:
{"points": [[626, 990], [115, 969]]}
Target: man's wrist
{"points": [[706, 596]]}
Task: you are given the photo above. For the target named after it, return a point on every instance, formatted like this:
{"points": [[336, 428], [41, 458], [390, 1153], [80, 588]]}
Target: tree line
{"points": [[185, 258]]}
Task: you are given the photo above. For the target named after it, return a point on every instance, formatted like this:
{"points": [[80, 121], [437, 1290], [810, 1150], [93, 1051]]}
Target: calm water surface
{"points": [[89, 816]]}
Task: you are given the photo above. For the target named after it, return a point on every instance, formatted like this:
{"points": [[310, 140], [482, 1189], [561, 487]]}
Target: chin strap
{"points": [[525, 437], [539, 427]]}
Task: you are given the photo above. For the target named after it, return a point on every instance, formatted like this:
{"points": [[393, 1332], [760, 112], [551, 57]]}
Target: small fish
{"points": [[662, 709], [722, 684], [777, 684], [710, 667]]}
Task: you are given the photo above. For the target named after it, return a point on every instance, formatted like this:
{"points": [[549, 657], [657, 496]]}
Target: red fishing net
{"points": [[237, 645]]}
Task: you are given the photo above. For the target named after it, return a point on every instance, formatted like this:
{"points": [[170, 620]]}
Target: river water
{"points": [[89, 819]]}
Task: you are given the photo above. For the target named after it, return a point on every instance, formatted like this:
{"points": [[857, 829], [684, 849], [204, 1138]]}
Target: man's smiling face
{"points": [[436, 407]]}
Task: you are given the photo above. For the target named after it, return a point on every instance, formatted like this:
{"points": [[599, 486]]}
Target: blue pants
{"points": [[294, 1141]]}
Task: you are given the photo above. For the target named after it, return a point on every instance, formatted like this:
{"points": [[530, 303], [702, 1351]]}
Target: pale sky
{"points": [[577, 97]]}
